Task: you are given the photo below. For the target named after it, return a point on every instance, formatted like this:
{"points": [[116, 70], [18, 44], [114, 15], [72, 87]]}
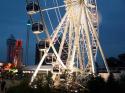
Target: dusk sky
{"points": [[13, 19]]}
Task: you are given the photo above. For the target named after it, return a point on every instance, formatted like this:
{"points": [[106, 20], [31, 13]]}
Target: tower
{"points": [[10, 48], [18, 54], [27, 42]]}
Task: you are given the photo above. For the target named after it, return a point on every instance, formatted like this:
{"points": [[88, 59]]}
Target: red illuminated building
{"points": [[14, 52], [18, 53]]}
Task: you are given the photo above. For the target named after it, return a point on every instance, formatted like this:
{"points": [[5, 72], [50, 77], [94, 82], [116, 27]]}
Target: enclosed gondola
{"points": [[49, 59], [43, 44], [32, 8], [37, 28], [56, 68]]}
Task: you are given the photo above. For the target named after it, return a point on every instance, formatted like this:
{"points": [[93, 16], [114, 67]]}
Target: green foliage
{"points": [[95, 85], [92, 84], [112, 85], [122, 84], [21, 88], [99, 85]]}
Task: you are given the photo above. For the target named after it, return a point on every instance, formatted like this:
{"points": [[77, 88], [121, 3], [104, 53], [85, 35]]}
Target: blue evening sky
{"points": [[13, 20]]}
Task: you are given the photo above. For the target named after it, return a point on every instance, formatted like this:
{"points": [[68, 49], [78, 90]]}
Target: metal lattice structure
{"points": [[74, 43]]}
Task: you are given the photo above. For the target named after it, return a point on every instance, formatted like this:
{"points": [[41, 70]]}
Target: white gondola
{"points": [[50, 59], [95, 25], [54, 59], [43, 45], [37, 28], [62, 77], [32, 8], [56, 68], [92, 5]]}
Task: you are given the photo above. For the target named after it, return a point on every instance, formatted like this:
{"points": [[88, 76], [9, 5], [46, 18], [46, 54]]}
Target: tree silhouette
{"points": [[95, 84], [111, 84], [121, 57]]}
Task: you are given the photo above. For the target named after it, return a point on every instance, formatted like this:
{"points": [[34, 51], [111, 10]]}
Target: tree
{"points": [[112, 84], [121, 57], [95, 84], [122, 84]]}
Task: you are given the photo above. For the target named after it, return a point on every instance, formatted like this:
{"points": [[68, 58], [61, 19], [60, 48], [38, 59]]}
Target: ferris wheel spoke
{"points": [[38, 67], [98, 43], [58, 10], [70, 45], [88, 40], [94, 45], [53, 8], [58, 17], [63, 38], [80, 52], [49, 18]]}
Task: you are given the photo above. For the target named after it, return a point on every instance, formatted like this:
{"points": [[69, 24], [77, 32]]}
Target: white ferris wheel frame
{"points": [[83, 28]]}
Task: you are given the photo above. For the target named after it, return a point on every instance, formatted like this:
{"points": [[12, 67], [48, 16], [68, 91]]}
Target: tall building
{"points": [[14, 51], [18, 57], [11, 41]]}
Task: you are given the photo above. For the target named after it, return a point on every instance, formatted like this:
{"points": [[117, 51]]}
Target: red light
{"points": [[19, 43]]}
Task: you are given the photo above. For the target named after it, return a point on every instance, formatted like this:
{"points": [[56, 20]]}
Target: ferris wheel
{"points": [[67, 34]]}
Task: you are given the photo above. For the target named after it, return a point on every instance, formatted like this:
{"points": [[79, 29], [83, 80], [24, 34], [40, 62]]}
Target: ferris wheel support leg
{"points": [[57, 29], [72, 60], [70, 44], [58, 58], [63, 39], [84, 47], [79, 52], [90, 55], [53, 38], [98, 43], [80, 58], [38, 67]]}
